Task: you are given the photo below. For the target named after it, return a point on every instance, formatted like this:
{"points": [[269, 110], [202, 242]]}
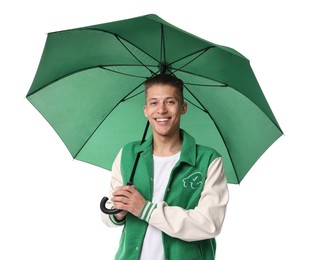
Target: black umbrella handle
{"points": [[105, 210]]}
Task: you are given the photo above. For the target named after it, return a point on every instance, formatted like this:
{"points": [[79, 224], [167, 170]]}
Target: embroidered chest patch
{"points": [[193, 181]]}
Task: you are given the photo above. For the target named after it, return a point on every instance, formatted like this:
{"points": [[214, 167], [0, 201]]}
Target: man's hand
{"points": [[128, 198], [120, 216]]}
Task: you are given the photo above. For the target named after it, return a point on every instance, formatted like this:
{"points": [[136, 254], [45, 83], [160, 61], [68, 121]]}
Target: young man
{"points": [[178, 203]]}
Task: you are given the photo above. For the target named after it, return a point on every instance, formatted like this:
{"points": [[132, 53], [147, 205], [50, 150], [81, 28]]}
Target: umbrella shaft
{"points": [[130, 182]]}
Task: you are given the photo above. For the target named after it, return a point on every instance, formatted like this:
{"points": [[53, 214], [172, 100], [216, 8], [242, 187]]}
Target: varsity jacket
{"points": [[194, 205]]}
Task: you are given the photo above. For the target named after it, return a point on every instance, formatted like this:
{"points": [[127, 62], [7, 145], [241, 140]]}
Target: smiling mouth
{"points": [[162, 119]]}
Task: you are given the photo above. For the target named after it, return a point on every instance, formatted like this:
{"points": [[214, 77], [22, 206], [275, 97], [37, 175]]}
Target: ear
{"points": [[145, 111], [184, 108]]}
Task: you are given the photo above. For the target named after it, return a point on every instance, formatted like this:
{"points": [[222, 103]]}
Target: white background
{"points": [[50, 203]]}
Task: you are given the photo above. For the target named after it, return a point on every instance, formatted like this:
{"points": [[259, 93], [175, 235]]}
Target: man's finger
{"points": [[121, 199], [121, 192]]}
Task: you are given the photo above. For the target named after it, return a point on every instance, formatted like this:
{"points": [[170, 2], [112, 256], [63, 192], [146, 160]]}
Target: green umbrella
{"points": [[89, 87]]}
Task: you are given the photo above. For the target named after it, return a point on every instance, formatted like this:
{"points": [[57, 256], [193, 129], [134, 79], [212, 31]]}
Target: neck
{"points": [[166, 145]]}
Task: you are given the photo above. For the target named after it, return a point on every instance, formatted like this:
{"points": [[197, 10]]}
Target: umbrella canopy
{"points": [[89, 87]]}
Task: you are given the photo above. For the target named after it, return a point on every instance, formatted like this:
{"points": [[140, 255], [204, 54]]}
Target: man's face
{"points": [[164, 109]]}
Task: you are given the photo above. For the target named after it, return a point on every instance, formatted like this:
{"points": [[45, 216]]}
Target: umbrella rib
{"points": [[188, 55], [219, 131], [117, 37], [202, 52], [123, 99], [223, 85], [206, 85], [188, 101], [101, 30], [162, 49], [127, 97], [83, 69], [126, 74], [195, 74]]}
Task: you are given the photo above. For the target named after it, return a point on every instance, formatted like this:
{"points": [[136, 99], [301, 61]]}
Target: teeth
{"points": [[162, 119]]}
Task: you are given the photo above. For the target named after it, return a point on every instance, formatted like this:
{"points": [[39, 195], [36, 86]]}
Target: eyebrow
{"points": [[164, 98]]}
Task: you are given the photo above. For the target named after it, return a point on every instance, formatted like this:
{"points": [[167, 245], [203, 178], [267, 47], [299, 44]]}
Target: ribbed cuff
{"points": [[115, 221], [147, 211]]}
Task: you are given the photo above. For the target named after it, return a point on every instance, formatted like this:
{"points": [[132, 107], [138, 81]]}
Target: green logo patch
{"points": [[194, 180]]}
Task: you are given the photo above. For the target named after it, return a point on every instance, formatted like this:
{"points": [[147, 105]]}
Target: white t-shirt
{"points": [[152, 245]]}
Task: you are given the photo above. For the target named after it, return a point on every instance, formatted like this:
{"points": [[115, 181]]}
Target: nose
{"points": [[162, 108]]}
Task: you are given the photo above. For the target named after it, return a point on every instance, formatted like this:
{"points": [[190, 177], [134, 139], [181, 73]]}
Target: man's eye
{"points": [[153, 103], [171, 102]]}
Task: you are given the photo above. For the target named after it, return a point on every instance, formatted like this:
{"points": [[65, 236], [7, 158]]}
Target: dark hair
{"points": [[166, 79]]}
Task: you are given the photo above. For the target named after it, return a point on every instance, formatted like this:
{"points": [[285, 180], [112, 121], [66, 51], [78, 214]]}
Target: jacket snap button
{"points": [[137, 248]]}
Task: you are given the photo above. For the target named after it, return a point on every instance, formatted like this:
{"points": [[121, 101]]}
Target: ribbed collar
{"points": [[188, 150]]}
